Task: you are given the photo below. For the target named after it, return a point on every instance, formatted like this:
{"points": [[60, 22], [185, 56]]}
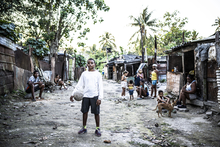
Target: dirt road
{"points": [[55, 122]]}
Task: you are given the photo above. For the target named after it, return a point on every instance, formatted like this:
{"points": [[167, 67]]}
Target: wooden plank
{"points": [[2, 49], [205, 81], [31, 61], [195, 102], [217, 47], [211, 104]]}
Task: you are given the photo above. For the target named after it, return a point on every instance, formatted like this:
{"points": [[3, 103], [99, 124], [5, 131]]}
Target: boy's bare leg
{"points": [[155, 86], [140, 89], [138, 92], [85, 116], [32, 90], [152, 90], [143, 92], [41, 90], [97, 119]]}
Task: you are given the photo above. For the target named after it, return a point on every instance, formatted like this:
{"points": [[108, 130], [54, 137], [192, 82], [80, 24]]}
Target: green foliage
{"points": [[217, 23], [144, 24], [54, 20], [9, 6], [172, 29], [7, 30], [39, 46], [107, 41], [70, 50], [80, 61]]}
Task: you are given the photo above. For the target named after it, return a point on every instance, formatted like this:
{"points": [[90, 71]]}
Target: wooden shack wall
{"points": [[7, 62], [21, 77], [22, 60], [174, 82]]}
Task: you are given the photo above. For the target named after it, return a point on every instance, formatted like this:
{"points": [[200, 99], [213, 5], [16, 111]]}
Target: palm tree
{"points": [[217, 23], [107, 41], [144, 23]]}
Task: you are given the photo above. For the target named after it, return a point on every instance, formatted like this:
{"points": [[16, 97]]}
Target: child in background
{"points": [[142, 90], [131, 89], [161, 98], [123, 83]]}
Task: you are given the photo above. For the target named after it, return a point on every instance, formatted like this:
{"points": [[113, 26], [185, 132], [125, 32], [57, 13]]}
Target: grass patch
{"points": [[138, 144], [165, 124]]}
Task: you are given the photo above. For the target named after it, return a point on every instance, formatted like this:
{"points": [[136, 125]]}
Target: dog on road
{"points": [[169, 107]]}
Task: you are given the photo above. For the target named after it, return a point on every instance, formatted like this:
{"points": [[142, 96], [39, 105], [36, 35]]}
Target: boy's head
{"points": [[160, 93], [57, 75], [35, 73], [154, 66], [140, 71], [125, 73], [142, 81], [131, 82], [91, 64]]}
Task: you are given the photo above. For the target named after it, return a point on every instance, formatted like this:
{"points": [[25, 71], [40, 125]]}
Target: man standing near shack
{"points": [[34, 84]]}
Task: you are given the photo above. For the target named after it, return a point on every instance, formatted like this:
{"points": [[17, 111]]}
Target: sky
{"points": [[201, 15]]}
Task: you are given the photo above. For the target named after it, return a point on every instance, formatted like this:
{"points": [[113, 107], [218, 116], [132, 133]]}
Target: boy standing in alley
{"points": [[91, 82]]}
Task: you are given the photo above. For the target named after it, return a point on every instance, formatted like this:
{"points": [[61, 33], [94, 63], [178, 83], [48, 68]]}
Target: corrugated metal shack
{"points": [[131, 63], [117, 65], [202, 56]]}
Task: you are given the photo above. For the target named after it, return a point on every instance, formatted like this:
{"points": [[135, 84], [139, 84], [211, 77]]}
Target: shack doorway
{"points": [[188, 63]]}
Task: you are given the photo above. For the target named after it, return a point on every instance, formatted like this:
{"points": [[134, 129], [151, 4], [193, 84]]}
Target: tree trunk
{"points": [[141, 30]]}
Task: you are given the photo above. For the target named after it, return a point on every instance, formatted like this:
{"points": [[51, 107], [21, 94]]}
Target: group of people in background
{"points": [[139, 85]]}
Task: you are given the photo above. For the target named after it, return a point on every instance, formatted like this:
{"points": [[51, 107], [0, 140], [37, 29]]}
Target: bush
{"points": [[7, 30], [39, 47]]}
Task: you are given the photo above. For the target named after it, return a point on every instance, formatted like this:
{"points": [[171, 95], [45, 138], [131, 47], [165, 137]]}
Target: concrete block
{"points": [[176, 107], [29, 95], [183, 110], [209, 113]]}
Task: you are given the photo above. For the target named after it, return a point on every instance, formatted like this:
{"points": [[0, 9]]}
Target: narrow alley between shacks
{"points": [[55, 122]]}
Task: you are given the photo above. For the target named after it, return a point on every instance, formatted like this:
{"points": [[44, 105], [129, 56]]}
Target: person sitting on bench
{"points": [[34, 84]]}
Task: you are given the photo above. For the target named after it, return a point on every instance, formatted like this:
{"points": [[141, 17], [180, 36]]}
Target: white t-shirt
{"points": [[32, 79], [91, 83]]}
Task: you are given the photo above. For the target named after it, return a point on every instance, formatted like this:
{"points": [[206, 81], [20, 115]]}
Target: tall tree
{"points": [[144, 23], [107, 40], [172, 28], [217, 23], [55, 19]]}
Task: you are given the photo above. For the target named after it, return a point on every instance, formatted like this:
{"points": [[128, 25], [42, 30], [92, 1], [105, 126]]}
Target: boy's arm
{"points": [[100, 88], [167, 98]]}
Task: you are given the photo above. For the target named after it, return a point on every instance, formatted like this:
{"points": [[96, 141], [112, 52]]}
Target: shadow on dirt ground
{"points": [[55, 122]]}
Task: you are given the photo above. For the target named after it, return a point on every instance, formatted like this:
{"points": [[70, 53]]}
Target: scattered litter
{"points": [[107, 141]]}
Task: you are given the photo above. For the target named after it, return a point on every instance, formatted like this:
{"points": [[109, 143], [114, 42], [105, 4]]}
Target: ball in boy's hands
{"points": [[78, 96]]}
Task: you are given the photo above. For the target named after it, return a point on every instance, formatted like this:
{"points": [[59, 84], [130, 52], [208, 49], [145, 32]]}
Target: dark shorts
{"points": [[86, 102], [36, 88], [137, 81], [131, 92]]}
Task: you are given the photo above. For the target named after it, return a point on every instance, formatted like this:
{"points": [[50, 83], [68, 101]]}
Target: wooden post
{"points": [[205, 81], [132, 67], [217, 47], [52, 69], [155, 52], [183, 37], [183, 64], [31, 61]]}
